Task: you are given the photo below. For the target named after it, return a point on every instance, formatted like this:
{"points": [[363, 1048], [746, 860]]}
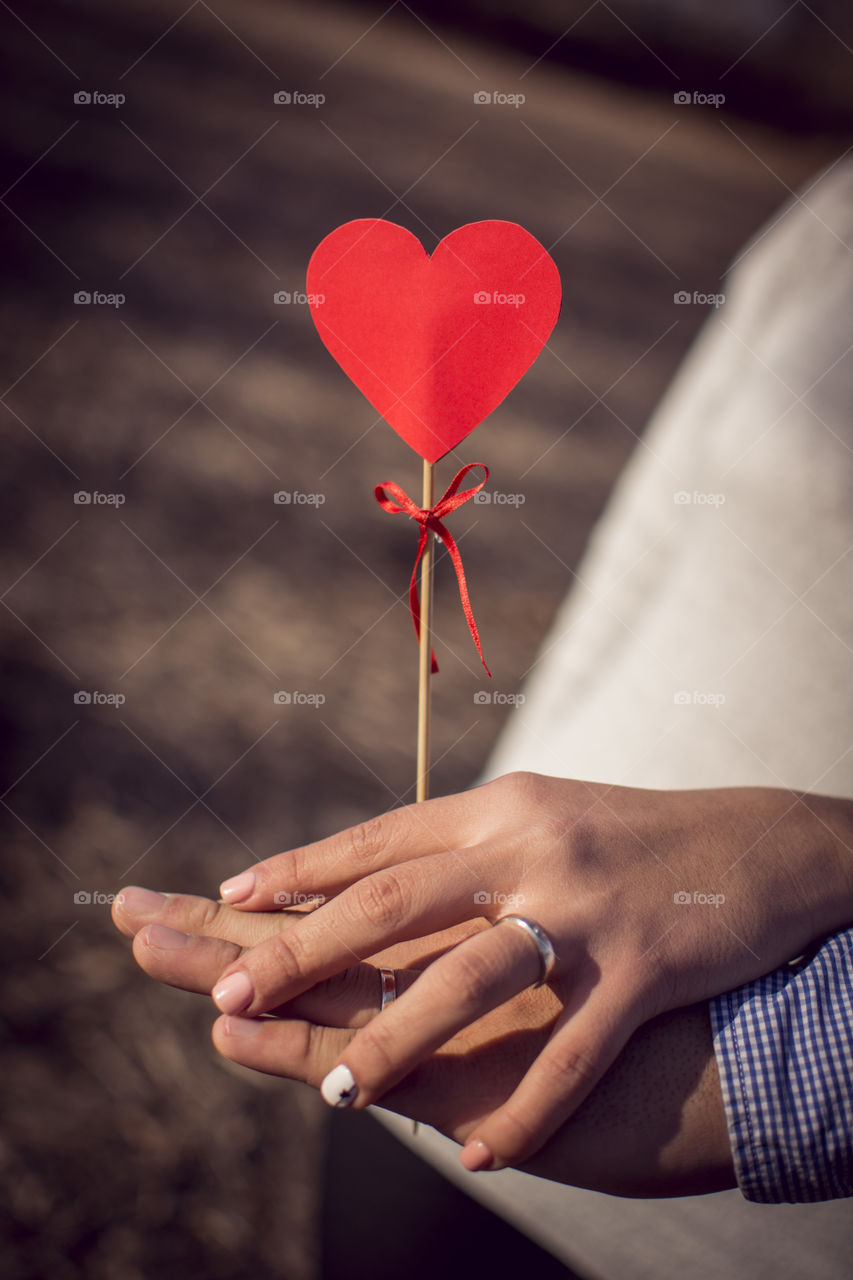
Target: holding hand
{"points": [[603, 871], [654, 1126]]}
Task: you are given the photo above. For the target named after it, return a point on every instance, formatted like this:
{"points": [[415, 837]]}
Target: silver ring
{"points": [[542, 942], [387, 988]]}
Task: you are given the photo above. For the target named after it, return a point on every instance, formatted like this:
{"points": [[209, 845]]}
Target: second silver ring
{"points": [[387, 988]]}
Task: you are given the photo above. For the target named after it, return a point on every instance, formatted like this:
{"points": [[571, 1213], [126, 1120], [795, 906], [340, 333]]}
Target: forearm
{"points": [[826, 832]]}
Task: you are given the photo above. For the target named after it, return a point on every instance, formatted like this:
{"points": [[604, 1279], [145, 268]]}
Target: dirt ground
{"points": [[128, 1149]]}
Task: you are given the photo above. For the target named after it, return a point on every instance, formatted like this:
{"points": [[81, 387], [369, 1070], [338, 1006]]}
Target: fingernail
{"points": [[233, 994], [476, 1156], [238, 888], [160, 935], [242, 1028], [339, 1088], [142, 902]]}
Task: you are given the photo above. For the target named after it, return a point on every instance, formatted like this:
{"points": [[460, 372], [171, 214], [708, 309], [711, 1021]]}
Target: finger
{"points": [[326, 867], [348, 999], [436, 1093], [279, 1046], [584, 1043], [456, 990], [180, 959], [389, 906], [440, 1092], [134, 907], [301, 1051]]}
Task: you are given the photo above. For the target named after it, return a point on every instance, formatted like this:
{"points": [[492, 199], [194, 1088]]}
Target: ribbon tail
{"points": [[414, 597], [453, 552]]}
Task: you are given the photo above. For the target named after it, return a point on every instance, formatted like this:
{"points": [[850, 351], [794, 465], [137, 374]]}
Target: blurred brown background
{"points": [[128, 1149]]}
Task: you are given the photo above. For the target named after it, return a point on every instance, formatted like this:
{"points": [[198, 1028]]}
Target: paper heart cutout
{"points": [[434, 343]]}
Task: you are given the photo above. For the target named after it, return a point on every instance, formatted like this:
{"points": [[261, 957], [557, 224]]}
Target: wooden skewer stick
{"points": [[425, 664], [425, 667]]}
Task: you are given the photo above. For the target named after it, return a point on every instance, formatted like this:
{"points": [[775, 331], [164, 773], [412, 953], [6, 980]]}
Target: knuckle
{"points": [[568, 1071], [205, 916], [365, 842], [466, 979], [561, 815], [296, 866], [282, 871], [513, 783], [377, 1044], [520, 788], [311, 1046], [338, 990], [534, 808], [380, 900], [289, 957]]}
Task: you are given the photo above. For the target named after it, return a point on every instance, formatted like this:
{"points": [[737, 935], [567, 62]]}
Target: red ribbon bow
{"points": [[430, 519]]}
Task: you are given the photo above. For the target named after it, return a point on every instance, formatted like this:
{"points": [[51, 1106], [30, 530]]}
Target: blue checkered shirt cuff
{"points": [[784, 1047]]}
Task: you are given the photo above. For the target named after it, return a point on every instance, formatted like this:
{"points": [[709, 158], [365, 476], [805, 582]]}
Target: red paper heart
{"points": [[416, 334]]}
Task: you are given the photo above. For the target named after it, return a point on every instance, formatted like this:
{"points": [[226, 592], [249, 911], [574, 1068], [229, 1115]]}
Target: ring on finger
{"points": [[387, 988], [541, 941]]}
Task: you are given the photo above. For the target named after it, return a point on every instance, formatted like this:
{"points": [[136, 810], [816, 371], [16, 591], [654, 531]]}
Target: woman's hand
{"points": [[653, 901], [654, 1126]]}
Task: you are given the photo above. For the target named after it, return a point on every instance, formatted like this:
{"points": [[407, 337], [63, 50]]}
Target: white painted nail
{"points": [[339, 1088]]}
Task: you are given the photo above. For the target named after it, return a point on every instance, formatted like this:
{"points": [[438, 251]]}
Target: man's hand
{"points": [[654, 1126]]}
